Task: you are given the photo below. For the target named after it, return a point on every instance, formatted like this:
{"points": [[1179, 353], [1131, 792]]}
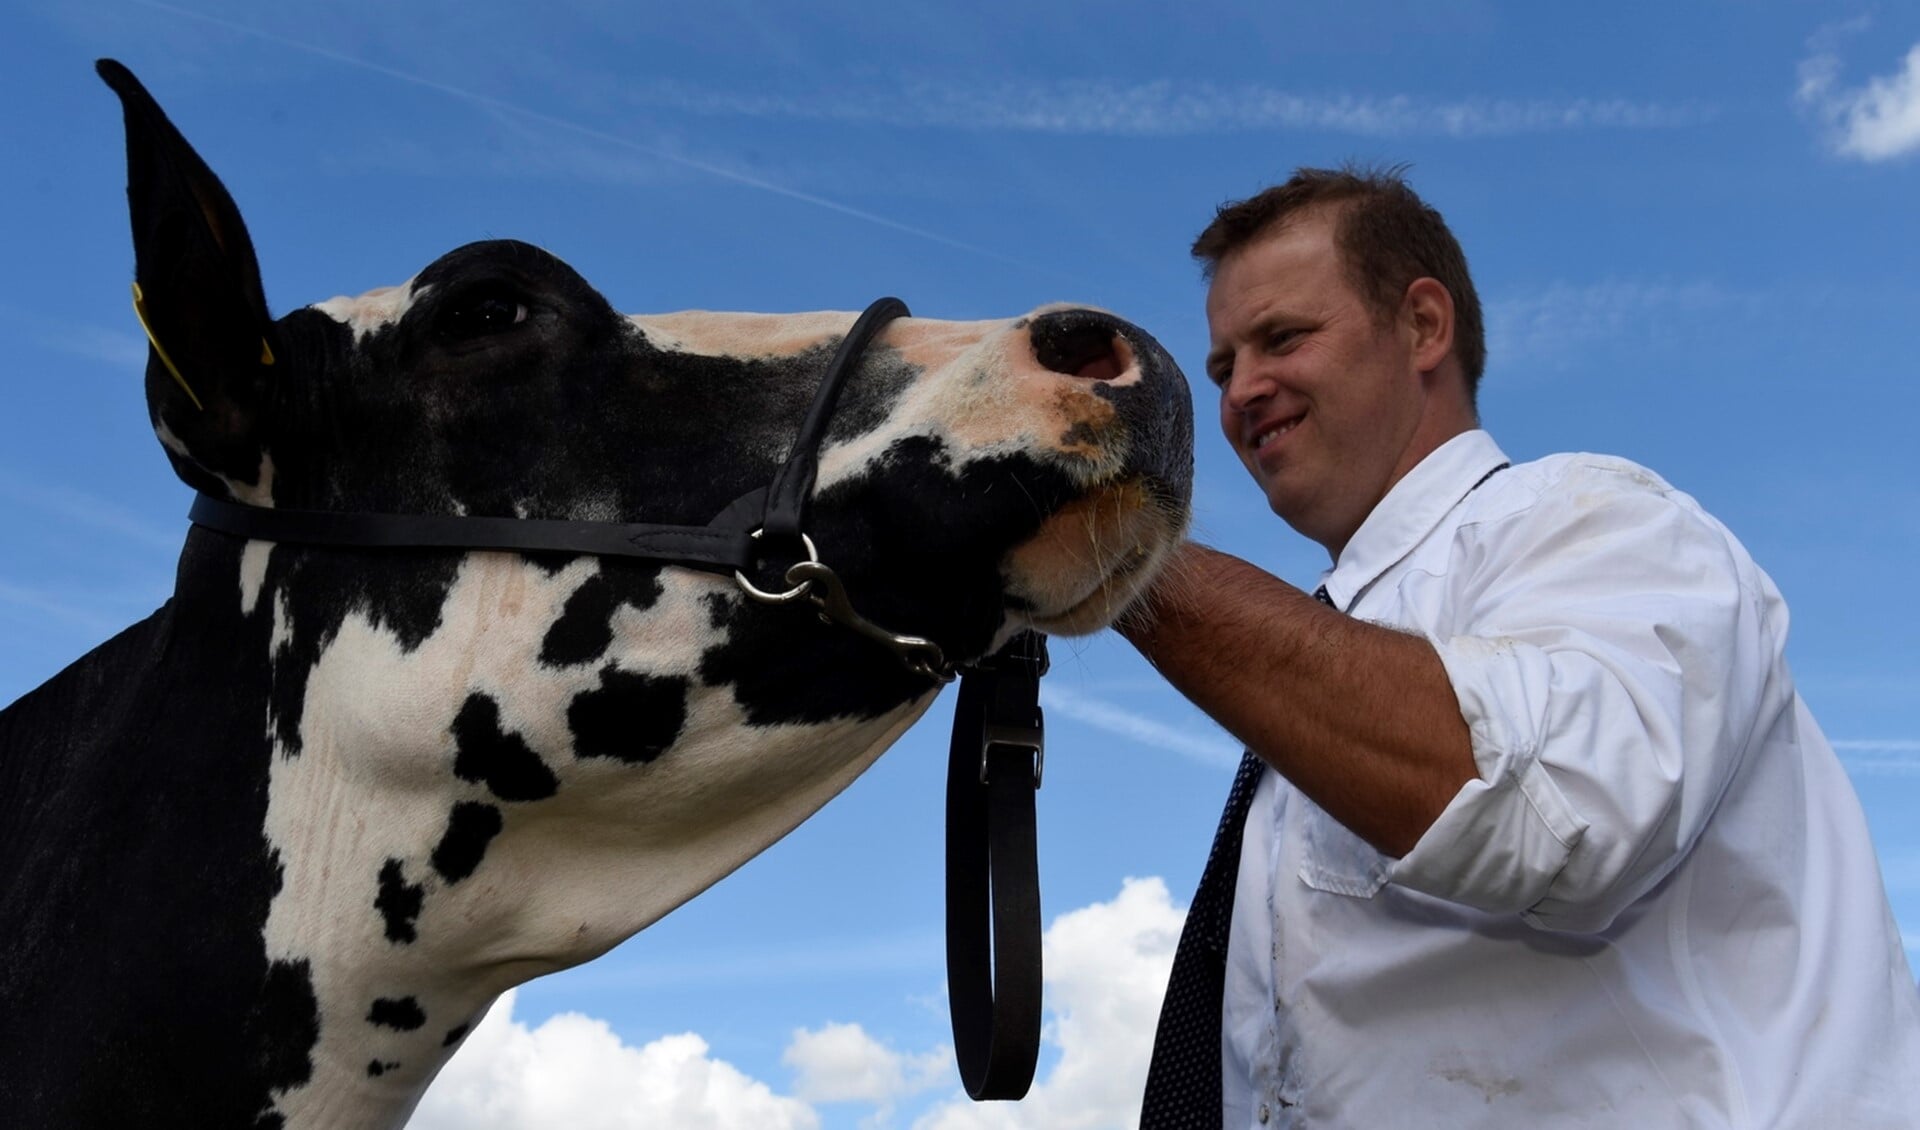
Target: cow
{"points": [[267, 855]]}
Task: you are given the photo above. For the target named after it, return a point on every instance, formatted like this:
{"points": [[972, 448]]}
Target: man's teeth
{"points": [[1263, 438]]}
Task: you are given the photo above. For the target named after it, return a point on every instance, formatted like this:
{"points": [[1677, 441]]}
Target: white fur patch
{"points": [[170, 441], [378, 308], [259, 492], [253, 573], [716, 334], [989, 397]]}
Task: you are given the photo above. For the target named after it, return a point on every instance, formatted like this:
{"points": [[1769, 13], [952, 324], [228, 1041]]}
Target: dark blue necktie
{"points": [[1183, 1079]]}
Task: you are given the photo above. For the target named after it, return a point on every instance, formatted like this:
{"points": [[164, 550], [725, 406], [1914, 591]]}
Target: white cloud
{"points": [[1164, 108], [85, 509], [1874, 122], [841, 1063], [718, 169], [116, 348], [1548, 327], [1208, 743], [573, 1071], [1878, 745], [1880, 757], [1106, 970]]}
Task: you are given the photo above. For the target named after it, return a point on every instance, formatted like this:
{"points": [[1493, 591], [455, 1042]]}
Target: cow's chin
{"points": [[1092, 559]]}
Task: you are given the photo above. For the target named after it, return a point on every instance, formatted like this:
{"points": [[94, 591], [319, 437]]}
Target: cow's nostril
{"points": [[1080, 348]]}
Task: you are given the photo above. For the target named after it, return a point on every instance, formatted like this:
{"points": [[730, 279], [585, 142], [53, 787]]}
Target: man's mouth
{"points": [[1273, 432]]}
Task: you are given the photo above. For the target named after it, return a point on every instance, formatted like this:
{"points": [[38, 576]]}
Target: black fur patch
{"points": [[289, 1025], [402, 1014], [491, 756], [550, 562], [470, 827], [866, 402], [377, 1068], [584, 629], [455, 1036], [398, 901], [632, 717], [719, 610]]}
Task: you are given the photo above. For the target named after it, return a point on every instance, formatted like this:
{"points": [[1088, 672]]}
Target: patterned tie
{"points": [[1183, 1079]]}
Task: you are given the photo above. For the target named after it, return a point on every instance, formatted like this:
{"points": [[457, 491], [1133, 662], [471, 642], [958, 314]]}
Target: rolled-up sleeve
{"points": [[1609, 663]]}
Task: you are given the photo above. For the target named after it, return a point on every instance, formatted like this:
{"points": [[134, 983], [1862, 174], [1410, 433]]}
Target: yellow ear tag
{"points": [[266, 352], [140, 312]]}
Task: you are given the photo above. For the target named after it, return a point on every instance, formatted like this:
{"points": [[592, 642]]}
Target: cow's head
{"points": [[487, 765]]}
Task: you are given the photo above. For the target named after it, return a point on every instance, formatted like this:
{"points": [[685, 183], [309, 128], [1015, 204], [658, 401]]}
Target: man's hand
{"points": [[1360, 717]]}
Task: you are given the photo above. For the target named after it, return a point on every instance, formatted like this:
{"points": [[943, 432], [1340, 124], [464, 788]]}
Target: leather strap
{"points": [[703, 547], [722, 546], [993, 973], [793, 485]]}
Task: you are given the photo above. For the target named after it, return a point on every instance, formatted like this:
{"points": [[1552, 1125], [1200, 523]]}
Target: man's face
{"points": [[1318, 397]]}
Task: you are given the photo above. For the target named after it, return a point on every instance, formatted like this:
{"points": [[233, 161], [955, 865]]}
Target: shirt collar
{"points": [[1411, 511]]}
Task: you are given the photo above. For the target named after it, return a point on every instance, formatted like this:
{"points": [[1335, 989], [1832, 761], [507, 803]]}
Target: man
{"points": [[1539, 831]]}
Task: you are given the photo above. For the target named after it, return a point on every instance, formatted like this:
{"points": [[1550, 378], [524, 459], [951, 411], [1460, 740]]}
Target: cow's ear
{"points": [[197, 290]]}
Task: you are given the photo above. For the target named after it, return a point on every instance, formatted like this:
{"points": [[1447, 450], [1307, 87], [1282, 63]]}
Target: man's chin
{"points": [[1287, 504], [1307, 516]]}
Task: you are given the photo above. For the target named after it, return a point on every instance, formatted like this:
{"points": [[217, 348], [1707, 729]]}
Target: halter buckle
{"points": [[1032, 738]]}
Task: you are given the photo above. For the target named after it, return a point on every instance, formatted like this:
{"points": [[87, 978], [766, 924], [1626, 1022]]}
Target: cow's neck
{"points": [[440, 835], [137, 844]]}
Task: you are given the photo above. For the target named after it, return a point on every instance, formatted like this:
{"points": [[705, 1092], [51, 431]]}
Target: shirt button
{"points": [[1264, 1114]]}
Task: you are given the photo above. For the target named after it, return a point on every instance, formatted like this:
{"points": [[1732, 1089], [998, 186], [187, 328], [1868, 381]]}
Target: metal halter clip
{"points": [[820, 584], [825, 590]]}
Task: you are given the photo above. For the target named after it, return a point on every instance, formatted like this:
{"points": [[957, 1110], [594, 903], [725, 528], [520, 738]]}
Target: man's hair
{"points": [[1387, 238]]}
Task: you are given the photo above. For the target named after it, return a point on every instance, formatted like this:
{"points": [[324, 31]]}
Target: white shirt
{"points": [[1658, 905]]}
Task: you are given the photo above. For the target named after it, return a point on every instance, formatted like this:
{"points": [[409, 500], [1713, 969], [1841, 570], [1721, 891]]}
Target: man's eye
{"points": [[489, 311]]}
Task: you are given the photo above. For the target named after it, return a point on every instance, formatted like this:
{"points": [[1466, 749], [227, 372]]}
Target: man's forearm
{"points": [[1361, 718]]}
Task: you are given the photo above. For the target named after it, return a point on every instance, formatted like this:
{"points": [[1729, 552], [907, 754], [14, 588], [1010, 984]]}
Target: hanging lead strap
{"points": [[993, 973]]}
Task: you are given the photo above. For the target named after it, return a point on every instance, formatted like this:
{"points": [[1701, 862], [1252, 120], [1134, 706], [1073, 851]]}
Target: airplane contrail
{"points": [[476, 98]]}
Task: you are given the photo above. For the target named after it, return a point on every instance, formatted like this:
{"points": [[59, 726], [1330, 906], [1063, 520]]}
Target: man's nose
{"points": [[1247, 385]]}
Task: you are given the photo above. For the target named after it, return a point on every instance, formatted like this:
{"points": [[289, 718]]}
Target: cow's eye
{"points": [[479, 312]]}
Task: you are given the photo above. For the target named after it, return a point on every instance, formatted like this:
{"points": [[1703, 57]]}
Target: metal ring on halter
{"points": [[793, 593]]}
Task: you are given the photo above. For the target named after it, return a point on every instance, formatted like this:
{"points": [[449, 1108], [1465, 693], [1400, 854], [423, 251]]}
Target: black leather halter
{"points": [[997, 733]]}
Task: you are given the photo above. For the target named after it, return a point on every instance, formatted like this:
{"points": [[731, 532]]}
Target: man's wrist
{"points": [[1162, 600]]}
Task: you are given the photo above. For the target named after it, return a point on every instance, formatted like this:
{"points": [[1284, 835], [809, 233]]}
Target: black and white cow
{"points": [[267, 855]]}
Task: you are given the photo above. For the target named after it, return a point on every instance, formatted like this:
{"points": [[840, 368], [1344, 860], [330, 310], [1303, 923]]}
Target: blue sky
{"points": [[1694, 226]]}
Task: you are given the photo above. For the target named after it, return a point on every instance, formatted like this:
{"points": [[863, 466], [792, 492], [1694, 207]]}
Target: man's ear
{"points": [[197, 291], [1427, 315]]}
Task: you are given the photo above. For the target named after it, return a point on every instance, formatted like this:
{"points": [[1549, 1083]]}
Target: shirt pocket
{"points": [[1334, 860]]}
